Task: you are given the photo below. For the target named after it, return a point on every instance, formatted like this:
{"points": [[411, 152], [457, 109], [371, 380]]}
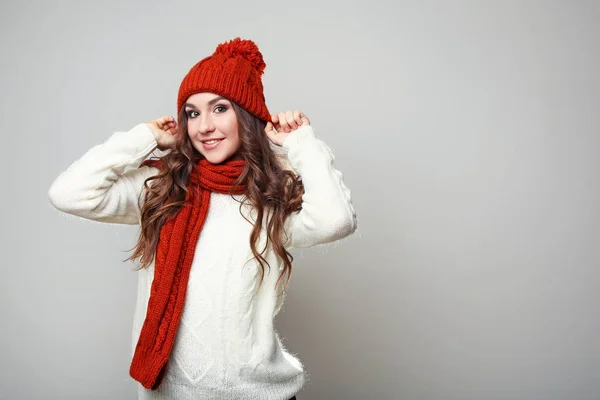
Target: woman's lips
{"points": [[211, 144]]}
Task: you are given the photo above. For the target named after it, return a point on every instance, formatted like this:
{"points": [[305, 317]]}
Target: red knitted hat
{"points": [[233, 71]]}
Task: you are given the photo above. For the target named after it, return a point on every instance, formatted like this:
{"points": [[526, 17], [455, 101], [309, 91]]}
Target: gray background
{"points": [[467, 131]]}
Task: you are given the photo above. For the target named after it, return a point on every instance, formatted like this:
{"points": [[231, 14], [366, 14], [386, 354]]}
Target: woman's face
{"points": [[212, 126]]}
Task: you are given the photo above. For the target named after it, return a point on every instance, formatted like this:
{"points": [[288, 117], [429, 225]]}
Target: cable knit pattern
{"points": [[226, 346], [178, 240]]}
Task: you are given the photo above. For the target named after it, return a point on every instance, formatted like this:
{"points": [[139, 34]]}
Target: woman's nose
{"points": [[205, 124]]}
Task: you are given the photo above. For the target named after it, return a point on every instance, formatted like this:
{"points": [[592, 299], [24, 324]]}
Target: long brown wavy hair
{"points": [[273, 190]]}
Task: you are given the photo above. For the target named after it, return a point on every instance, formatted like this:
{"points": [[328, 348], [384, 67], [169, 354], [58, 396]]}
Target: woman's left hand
{"points": [[283, 124]]}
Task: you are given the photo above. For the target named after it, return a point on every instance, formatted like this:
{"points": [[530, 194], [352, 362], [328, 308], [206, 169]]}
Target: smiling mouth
{"points": [[211, 143]]}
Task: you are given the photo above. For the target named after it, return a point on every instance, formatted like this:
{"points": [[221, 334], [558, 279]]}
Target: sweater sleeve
{"points": [[105, 184], [327, 213]]}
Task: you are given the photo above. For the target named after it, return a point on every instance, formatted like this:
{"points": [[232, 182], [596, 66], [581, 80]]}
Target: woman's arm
{"points": [[105, 184], [327, 213]]}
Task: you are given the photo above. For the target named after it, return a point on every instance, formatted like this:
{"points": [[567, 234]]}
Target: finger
{"points": [[283, 122], [160, 122], [271, 132], [275, 118], [297, 117], [166, 120], [289, 115], [304, 118], [277, 128], [269, 128]]}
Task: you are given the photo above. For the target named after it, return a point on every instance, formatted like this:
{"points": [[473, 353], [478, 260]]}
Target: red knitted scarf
{"points": [[174, 255]]}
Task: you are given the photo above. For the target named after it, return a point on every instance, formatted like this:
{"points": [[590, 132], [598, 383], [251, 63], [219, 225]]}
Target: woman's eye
{"points": [[220, 108], [191, 114]]}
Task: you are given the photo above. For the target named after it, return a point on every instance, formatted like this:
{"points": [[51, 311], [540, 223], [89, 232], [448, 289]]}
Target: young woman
{"points": [[237, 188]]}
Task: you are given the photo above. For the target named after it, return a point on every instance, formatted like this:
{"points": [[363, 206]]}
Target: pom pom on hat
{"points": [[243, 48]]}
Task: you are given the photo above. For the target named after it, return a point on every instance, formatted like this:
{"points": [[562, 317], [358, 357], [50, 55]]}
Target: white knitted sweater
{"points": [[226, 345]]}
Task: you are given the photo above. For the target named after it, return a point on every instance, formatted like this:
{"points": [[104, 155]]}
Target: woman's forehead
{"points": [[202, 99]]}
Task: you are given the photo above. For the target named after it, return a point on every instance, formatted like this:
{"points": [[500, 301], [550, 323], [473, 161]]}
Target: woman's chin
{"points": [[221, 158], [216, 158]]}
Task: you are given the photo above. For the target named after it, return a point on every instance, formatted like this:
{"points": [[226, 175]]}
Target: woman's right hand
{"points": [[164, 130]]}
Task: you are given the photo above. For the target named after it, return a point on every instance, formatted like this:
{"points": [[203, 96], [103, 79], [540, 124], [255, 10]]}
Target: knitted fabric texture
{"points": [[174, 255], [233, 71]]}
